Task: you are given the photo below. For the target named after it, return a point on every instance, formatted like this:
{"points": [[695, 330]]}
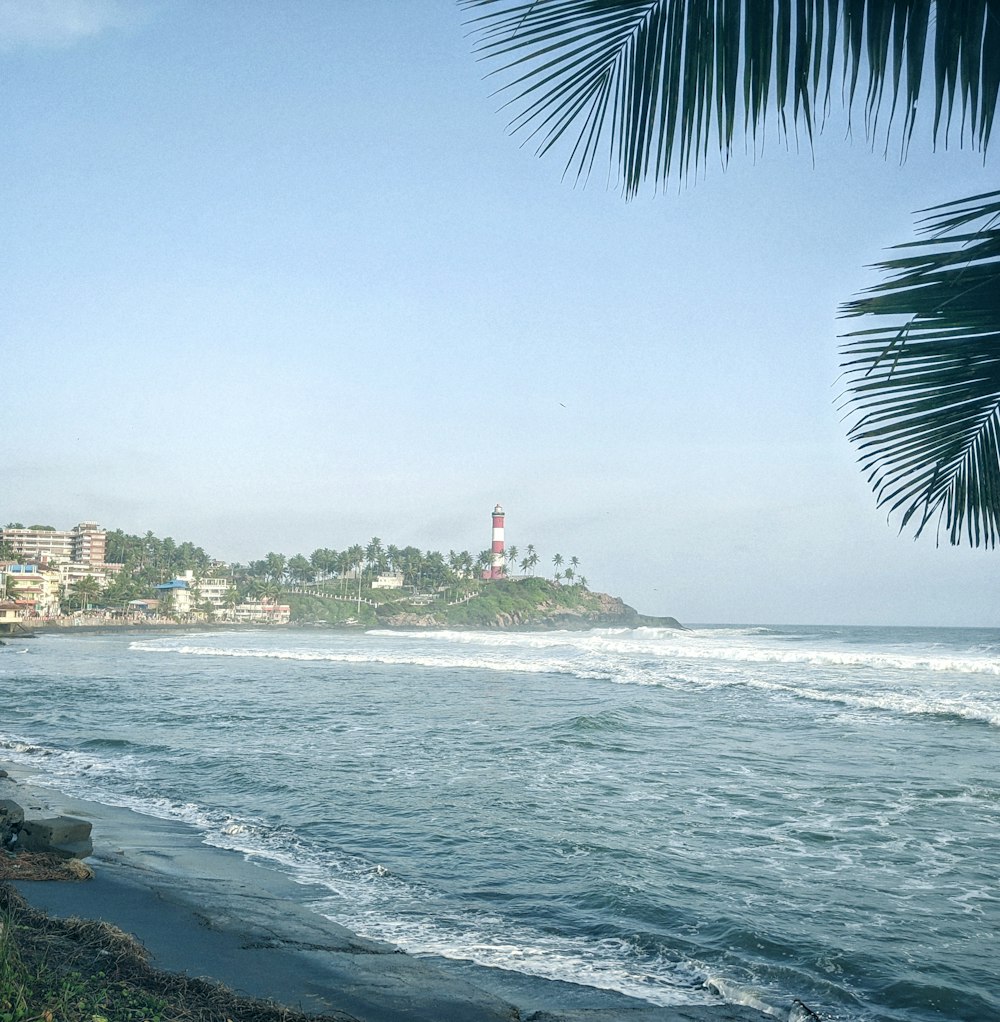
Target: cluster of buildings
{"points": [[48, 562], [191, 597]]}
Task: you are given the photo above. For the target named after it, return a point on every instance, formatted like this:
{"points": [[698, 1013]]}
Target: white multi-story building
{"points": [[71, 572], [189, 594], [85, 543]]}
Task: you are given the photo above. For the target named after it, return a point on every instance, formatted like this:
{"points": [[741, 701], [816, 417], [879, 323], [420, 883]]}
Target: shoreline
{"points": [[110, 628], [213, 913]]}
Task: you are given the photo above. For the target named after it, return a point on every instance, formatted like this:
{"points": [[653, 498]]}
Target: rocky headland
{"points": [[531, 604]]}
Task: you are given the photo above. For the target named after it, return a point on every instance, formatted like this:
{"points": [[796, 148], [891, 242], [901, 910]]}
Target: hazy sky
{"points": [[275, 277]]}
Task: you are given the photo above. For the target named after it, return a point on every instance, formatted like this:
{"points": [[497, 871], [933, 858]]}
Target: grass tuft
{"points": [[75, 970]]}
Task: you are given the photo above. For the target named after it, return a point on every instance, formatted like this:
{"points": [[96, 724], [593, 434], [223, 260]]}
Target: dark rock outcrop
{"points": [[65, 836], [11, 821]]}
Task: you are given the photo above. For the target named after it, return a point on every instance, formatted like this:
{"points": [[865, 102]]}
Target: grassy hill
{"points": [[523, 603]]}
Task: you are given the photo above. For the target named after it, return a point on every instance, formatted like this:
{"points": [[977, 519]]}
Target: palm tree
{"points": [[323, 561], [557, 561], [511, 555], [84, 591], [374, 555], [649, 86], [277, 565], [231, 600], [300, 569], [165, 607]]}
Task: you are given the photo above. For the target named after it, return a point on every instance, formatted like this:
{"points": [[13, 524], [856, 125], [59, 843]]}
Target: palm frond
{"points": [[924, 387], [650, 83]]}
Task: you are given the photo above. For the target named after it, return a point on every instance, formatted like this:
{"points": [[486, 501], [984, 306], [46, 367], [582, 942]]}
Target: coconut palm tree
{"points": [[648, 87], [511, 555], [84, 591], [231, 600], [277, 566], [374, 555]]}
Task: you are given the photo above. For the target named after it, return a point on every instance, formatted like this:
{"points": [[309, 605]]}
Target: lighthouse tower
{"points": [[496, 569]]}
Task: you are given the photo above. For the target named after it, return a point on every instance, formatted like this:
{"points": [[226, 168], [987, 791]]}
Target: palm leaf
{"points": [[650, 83], [924, 385]]}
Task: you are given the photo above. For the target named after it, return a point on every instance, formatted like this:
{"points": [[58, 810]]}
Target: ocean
{"points": [[748, 814]]}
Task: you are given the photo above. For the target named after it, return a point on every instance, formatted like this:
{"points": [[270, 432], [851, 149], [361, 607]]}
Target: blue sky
{"points": [[275, 277]]}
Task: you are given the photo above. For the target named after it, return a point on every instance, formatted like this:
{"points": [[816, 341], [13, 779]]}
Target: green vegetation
{"points": [[649, 87], [342, 588], [72, 970], [509, 603], [149, 561], [521, 602]]}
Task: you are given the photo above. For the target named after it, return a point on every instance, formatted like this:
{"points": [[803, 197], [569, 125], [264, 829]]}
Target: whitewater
{"points": [[752, 814]]}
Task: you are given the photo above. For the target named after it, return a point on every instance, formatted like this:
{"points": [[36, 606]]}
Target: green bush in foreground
{"points": [[34, 986]]}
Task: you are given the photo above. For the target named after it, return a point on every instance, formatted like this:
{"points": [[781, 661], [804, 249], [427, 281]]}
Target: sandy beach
{"points": [[208, 913]]}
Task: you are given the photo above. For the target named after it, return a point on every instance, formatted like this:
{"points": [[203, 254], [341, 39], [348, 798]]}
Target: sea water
{"points": [[746, 813]]}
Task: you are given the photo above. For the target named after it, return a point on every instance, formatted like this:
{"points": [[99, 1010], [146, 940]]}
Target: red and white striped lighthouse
{"points": [[496, 550]]}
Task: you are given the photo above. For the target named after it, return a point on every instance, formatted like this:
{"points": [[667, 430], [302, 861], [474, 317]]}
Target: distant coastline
{"points": [[89, 578], [544, 618]]}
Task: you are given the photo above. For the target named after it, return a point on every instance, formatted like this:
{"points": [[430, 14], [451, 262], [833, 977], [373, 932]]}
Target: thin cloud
{"points": [[60, 23]]}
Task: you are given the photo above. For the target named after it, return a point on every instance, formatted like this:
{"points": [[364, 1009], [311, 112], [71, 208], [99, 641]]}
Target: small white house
{"points": [[389, 580]]}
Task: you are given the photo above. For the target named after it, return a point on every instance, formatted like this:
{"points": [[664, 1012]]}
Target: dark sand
{"points": [[209, 913]]}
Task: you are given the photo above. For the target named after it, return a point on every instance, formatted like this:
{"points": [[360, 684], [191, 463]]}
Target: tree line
{"points": [[149, 561], [421, 569]]}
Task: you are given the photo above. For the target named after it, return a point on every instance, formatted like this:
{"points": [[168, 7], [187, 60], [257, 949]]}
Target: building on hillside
{"points": [[85, 543], [179, 594], [89, 544], [191, 594], [388, 580], [259, 612], [71, 572], [209, 590], [34, 588]]}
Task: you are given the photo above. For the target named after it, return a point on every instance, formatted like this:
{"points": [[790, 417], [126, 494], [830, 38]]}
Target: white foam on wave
{"points": [[866, 679], [499, 662], [718, 644], [68, 769], [370, 900]]}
